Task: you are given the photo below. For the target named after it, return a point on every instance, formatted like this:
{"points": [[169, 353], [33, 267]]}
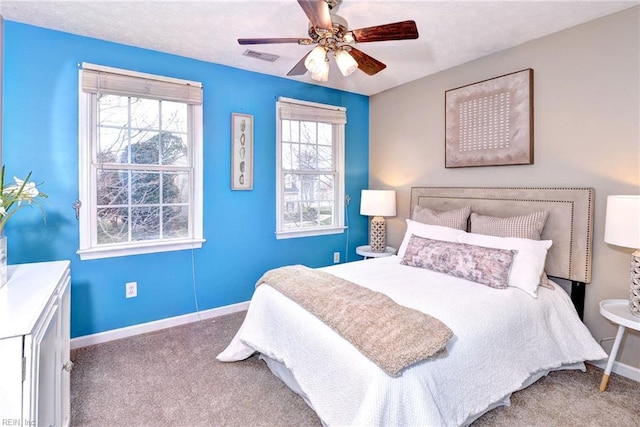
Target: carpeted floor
{"points": [[171, 378]]}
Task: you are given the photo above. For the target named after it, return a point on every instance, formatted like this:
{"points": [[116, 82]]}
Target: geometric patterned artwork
{"points": [[484, 122], [490, 123]]}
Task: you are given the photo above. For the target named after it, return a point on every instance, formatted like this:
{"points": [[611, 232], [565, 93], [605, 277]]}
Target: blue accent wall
{"points": [[41, 135]]}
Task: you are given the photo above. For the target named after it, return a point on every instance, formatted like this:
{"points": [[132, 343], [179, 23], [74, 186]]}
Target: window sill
{"points": [[139, 249], [309, 232]]}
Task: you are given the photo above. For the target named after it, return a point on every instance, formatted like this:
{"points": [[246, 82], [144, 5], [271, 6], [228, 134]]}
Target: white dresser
{"points": [[34, 345]]}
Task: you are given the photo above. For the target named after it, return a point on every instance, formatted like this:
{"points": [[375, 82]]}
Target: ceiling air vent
{"points": [[260, 55]]}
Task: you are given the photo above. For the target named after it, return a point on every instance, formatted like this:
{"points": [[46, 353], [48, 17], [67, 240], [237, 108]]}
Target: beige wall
{"points": [[587, 134]]}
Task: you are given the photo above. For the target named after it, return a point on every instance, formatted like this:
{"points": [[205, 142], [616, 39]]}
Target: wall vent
{"points": [[260, 55]]}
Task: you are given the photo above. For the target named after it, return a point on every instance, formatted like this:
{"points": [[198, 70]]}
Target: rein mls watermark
{"points": [[16, 422]]}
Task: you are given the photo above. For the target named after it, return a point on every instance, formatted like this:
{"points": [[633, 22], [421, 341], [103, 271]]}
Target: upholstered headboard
{"points": [[569, 224]]}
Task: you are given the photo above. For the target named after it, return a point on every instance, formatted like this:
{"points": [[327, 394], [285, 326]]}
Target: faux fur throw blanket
{"points": [[390, 335]]}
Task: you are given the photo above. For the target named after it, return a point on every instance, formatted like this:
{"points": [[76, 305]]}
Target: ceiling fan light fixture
{"points": [[316, 60], [348, 37], [346, 63], [322, 74], [331, 33]]}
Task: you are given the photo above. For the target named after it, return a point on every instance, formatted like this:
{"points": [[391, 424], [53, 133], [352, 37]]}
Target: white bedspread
{"points": [[501, 338]]}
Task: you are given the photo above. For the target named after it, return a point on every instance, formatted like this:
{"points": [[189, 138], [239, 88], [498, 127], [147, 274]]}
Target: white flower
{"points": [[12, 196], [29, 191]]}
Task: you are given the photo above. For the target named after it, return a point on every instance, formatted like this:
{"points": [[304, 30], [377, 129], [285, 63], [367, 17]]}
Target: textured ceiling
{"points": [[451, 32]]}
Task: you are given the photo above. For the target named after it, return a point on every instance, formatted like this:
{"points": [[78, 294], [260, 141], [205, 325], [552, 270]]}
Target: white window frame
{"points": [[144, 85], [321, 113]]}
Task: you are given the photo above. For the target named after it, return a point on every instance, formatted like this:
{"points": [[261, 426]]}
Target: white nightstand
{"points": [[617, 310], [366, 252]]}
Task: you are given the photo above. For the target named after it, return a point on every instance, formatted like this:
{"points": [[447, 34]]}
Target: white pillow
{"points": [[528, 264], [435, 232]]}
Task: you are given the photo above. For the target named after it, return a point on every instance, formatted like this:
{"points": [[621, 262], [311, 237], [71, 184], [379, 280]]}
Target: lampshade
{"points": [[622, 223], [378, 203], [345, 61], [322, 72], [316, 60]]}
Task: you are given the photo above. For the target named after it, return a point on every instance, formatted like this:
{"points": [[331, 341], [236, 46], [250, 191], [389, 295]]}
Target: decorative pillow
{"points": [[524, 226], [436, 232], [528, 264], [456, 218], [474, 263]]}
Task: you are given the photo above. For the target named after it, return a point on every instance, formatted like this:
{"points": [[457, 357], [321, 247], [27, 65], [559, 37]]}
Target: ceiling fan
{"points": [[331, 34]]}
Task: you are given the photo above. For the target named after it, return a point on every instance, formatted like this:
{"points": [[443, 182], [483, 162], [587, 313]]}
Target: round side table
{"points": [[366, 252], [617, 310]]}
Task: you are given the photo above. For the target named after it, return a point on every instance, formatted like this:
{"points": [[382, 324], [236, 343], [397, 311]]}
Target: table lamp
{"points": [[378, 204], [622, 228]]}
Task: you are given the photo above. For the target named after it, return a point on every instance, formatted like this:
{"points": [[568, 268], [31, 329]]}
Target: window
{"points": [[140, 162], [310, 169]]}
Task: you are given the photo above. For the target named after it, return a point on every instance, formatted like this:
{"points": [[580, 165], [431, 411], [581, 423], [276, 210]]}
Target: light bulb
{"points": [[316, 59], [345, 62]]}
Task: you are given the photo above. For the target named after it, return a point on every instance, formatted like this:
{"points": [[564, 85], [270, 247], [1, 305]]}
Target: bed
{"points": [[505, 335]]}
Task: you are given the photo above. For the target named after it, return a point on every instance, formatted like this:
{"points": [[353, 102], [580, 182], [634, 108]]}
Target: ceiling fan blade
{"points": [[318, 13], [398, 31], [367, 63], [299, 69], [275, 40]]}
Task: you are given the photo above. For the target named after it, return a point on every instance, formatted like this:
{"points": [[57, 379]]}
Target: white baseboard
{"points": [[156, 325], [621, 369]]}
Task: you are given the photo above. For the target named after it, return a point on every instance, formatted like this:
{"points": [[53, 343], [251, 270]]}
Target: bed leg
{"points": [[577, 297], [604, 382]]}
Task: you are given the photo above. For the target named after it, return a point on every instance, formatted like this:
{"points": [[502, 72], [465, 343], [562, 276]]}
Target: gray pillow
{"points": [[456, 218], [527, 226]]}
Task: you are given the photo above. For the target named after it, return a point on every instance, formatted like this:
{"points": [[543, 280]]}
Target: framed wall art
{"points": [[490, 123], [241, 151]]}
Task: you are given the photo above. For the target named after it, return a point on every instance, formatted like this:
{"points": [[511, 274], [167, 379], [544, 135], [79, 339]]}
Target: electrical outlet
{"points": [[336, 257], [131, 289]]}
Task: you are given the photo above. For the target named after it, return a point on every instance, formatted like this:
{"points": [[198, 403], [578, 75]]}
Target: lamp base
{"points": [[378, 234], [634, 289]]}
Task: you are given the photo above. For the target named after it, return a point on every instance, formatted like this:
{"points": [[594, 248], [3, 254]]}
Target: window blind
{"points": [[312, 113], [95, 78]]}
